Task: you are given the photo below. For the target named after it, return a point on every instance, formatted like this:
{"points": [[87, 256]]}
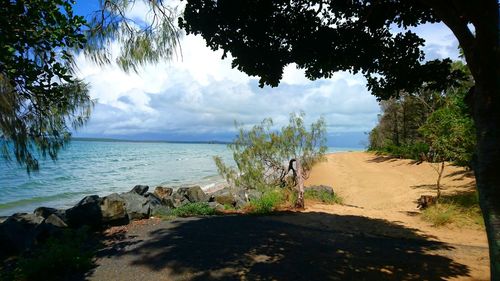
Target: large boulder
{"points": [[137, 206], [113, 209], [155, 203], [19, 232], [163, 192], [140, 189], [193, 194], [86, 212]]}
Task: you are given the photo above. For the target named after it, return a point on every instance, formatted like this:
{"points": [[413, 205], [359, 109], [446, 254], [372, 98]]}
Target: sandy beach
{"points": [[382, 187]]}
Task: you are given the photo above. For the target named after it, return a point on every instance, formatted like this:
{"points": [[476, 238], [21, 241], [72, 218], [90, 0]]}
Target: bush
{"points": [[193, 209], [322, 196], [267, 203]]}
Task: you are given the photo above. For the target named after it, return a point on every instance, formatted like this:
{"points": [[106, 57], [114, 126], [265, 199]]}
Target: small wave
{"points": [[39, 199]]}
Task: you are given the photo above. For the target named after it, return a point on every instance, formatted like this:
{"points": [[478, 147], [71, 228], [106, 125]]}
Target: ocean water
{"points": [[102, 167]]}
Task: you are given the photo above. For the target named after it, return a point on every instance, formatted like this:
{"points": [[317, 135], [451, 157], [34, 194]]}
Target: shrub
{"points": [[193, 209], [322, 196], [267, 203]]}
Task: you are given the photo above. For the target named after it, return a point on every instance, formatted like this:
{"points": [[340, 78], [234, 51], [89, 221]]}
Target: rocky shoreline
{"points": [[22, 231]]}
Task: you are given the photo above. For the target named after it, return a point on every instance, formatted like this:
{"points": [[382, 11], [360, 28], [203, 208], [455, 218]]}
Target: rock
{"points": [[55, 221], [320, 188], [113, 210], [86, 212], [155, 203], [19, 232], [136, 205], [193, 194], [45, 212], [178, 200], [140, 189], [224, 199], [216, 206], [163, 192], [168, 202]]}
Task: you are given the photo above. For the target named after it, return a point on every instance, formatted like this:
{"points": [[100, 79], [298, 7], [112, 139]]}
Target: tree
{"points": [[323, 37], [40, 100], [264, 156]]}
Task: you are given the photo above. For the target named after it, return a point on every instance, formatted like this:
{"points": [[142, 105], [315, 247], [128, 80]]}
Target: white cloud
{"points": [[202, 94]]}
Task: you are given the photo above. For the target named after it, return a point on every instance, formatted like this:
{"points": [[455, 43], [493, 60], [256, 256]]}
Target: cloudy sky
{"points": [[199, 97]]}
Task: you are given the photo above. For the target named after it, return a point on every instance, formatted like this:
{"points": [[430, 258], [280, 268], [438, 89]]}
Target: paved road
{"points": [[275, 248]]}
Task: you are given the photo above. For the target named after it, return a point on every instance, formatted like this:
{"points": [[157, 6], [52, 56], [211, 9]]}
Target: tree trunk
{"points": [[300, 186], [487, 168], [440, 174]]}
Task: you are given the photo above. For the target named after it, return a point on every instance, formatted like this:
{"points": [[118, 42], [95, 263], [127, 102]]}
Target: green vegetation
{"points": [[58, 258], [459, 209], [427, 125], [187, 210], [323, 196], [264, 155], [269, 202]]}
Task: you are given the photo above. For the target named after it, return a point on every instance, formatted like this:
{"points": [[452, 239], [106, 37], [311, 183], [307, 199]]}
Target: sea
{"points": [[104, 167]]}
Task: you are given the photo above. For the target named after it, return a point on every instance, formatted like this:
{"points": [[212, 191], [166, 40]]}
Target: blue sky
{"points": [[200, 96]]}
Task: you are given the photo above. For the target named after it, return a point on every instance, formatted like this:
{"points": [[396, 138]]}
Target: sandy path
{"points": [[384, 188]]}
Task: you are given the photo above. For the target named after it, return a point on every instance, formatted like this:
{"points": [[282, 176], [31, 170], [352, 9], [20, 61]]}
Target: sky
{"points": [[199, 97]]}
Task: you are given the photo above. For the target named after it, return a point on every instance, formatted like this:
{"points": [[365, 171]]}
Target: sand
{"points": [[381, 187]]}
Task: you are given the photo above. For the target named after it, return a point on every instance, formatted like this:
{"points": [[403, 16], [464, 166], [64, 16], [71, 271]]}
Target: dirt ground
{"points": [[382, 187]]}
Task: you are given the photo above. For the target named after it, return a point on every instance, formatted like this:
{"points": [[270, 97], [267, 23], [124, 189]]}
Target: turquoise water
{"points": [[97, 167]]}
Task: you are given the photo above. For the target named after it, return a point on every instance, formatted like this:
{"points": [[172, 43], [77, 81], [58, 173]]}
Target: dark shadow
{"points": [[432, 187], [286, 246], [462, 174], [379, 158]]}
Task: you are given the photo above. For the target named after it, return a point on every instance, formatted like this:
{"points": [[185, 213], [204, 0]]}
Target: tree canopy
{"points": [[40, 99], [322, 37]]}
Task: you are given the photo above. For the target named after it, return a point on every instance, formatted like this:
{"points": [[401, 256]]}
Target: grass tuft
{"points": [[460, 209], [322, 196], [267, 203], [188, 210]]}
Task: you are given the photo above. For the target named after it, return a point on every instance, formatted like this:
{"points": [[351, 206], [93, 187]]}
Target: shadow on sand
{"points": [[285, 246]]}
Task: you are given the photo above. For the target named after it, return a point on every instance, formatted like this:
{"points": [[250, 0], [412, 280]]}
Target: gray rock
{"points": [[178, 200], [113, 210], [55, 221], [19, 232], [216, 206], [45, 212], [136, 205], [155, 203], [168, 202], [86, 212], [320, 188], [225, 199], [140, 189], [163, 192], [193, 194]]}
